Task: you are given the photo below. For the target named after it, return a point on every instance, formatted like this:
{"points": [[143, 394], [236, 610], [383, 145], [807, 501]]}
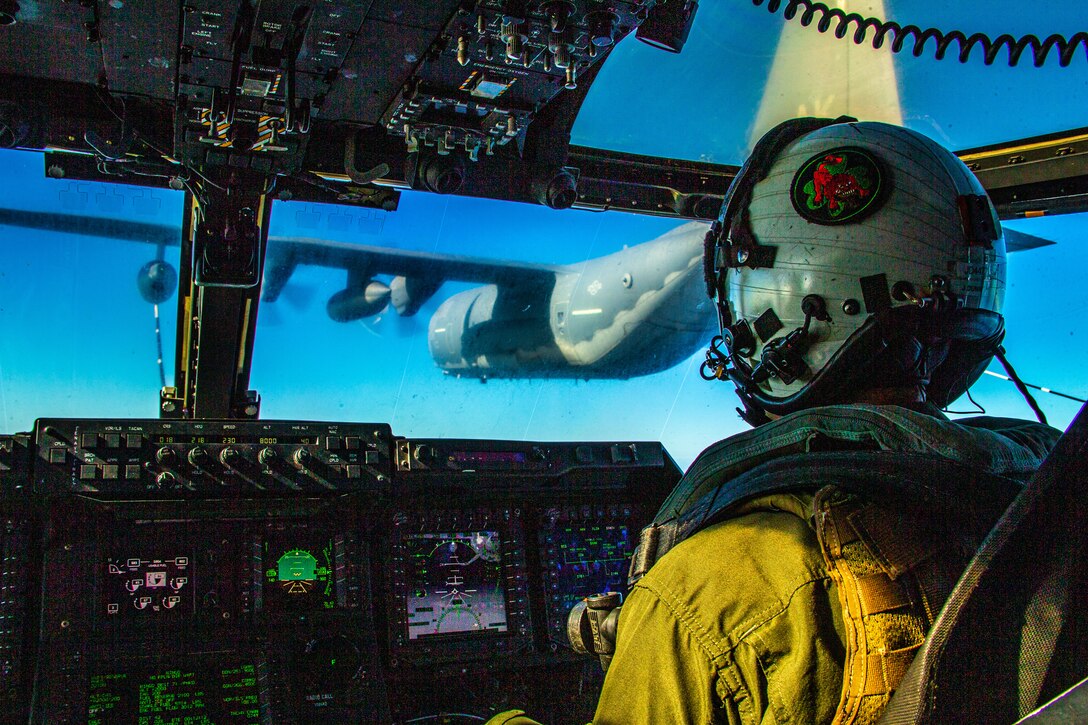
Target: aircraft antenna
{"points": [[1035, 387]]}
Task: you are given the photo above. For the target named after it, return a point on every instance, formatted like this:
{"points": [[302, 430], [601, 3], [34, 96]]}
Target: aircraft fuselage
{"points": [[637, 311]]}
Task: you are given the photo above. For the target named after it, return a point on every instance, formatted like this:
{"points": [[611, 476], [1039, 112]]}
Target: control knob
{"points": [[166, 456], [424, 453], [602, 28], [166, 479], [558, 12], [228, 456], [267, 456], [199, 457], [302, 457], [515, 38]]}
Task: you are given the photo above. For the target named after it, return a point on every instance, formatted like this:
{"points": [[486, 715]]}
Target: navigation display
{"points": [[142, 586], [455, 584], [586, 558], [224, 695], [299, 573]]}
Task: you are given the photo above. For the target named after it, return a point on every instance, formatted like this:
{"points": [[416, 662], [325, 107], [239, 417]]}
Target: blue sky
{"points": [[78, 341]]}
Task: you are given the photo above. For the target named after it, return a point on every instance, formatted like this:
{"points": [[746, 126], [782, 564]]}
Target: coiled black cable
{"points": [[899, 34]]}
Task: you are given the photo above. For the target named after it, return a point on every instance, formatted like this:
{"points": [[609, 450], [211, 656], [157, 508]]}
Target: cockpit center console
{"points": [[268, 572]]}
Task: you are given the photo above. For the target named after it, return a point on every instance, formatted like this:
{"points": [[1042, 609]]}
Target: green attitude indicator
{"points": [[299, 578], [297, 571]]}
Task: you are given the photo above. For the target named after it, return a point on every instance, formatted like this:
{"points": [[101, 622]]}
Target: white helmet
{"points": [[850, 256]]}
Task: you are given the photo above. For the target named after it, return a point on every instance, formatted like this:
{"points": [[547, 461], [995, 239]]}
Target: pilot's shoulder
{"points": [[741, 572]]}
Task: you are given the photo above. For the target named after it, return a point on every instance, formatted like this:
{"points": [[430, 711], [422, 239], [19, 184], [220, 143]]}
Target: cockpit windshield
{"points": [[79, 338], [743, 69]]}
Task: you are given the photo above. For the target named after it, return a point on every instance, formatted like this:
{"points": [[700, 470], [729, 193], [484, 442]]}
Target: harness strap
{"points": [[952, 495], [890, 585]]}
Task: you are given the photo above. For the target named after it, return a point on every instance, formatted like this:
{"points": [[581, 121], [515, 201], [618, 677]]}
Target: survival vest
{"points": [[903, 499]]}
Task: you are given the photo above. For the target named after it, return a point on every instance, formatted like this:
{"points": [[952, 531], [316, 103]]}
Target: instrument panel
{"points": [[258, 584]]}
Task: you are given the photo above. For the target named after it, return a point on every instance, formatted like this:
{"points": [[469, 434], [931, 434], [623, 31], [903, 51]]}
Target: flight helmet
{"points": [[852, 256]]}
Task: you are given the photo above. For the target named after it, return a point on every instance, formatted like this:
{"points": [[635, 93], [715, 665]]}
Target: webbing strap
{"points": [[885, 618], [1006, 623], [886, 670], [877, 594], [950, 494]]}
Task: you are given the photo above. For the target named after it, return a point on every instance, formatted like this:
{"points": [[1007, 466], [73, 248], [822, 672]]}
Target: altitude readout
{"points": [[299, 577], [587, 559], [455, 584]]}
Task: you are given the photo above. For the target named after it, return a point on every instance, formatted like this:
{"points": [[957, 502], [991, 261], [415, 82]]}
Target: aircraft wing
{"points": [[1019, 241], [93, 226], [286, 253]]}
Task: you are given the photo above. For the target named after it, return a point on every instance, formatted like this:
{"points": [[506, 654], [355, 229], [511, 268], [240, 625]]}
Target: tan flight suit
{"points": [[774, 654], [800, 607]]}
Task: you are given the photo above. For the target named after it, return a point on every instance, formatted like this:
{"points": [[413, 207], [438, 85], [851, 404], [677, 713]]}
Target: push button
{"points": [[332, 443], [87, 472], [372, 458], [113, 440], [623, 454], [352, 443], [88, 440], [57, 455], [132, 472], [110, 471]]}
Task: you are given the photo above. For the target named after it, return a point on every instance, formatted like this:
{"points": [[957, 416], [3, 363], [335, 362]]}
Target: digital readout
{"points": [[587, 559], [187, 694], [455, 584], [228, 439]]}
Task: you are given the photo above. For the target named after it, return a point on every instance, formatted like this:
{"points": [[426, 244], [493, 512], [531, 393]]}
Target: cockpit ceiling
{"points": [[451, 96], [132, 48]]}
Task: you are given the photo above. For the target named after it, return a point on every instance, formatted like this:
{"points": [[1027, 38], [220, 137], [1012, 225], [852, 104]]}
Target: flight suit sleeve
{"points": [[662, 671], [734, 625]]}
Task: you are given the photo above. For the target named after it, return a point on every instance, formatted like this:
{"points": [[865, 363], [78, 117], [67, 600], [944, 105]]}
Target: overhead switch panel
{"points": [[252, 79], [497, 64]]}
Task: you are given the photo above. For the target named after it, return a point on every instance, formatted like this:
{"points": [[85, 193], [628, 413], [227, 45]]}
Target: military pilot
{"points": [[859, 273]]}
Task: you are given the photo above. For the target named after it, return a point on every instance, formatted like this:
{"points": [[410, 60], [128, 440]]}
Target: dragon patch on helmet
{"points": [[838, 186]]}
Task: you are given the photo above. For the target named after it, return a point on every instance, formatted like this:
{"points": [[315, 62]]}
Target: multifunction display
{"points": [[458, 587], [455, 583], [582, 557], [590, 559], [299, 573], [224, 695], [142, 586]]}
